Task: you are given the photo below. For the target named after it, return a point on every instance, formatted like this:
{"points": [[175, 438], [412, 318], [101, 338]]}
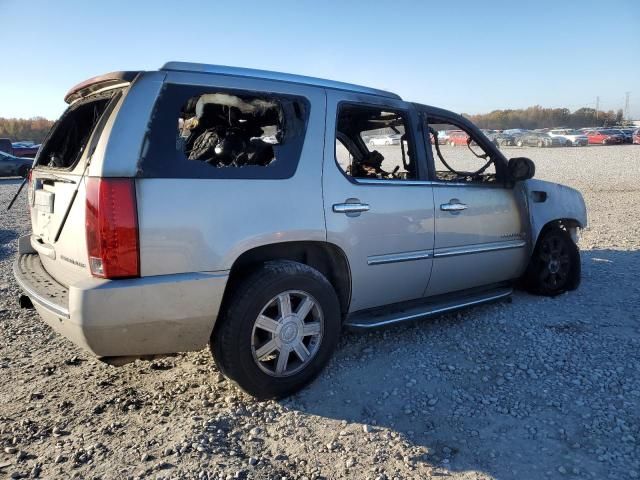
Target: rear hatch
{"points": [[58, 220]]}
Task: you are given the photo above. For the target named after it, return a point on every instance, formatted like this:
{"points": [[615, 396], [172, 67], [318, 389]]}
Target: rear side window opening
{"points": [[68, 138], [213, 133]]}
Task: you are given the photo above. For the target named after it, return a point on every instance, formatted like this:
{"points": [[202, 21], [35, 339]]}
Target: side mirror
{"points": [[521, 168]]}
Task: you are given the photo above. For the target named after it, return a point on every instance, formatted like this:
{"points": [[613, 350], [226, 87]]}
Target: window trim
{"points": [[406, 113], [471, 130]]}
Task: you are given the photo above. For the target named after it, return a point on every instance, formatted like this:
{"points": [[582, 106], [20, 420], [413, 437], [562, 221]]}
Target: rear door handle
{"points": [[453, 206], [351, 207]]}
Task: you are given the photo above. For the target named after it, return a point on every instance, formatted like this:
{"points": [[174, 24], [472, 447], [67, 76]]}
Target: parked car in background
{"points": [[385, 140], [457, 138], [500, 139], [18, 149], [443, 136], [601, 137], [539, 139], [12, 166], [627, 136], [636, 137], [572, 138]]}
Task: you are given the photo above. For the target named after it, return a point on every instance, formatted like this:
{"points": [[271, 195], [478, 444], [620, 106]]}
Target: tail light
{"points": [[112, 228]]}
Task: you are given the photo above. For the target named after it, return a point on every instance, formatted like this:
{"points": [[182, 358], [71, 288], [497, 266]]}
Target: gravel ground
{"points": [[530, 389]]}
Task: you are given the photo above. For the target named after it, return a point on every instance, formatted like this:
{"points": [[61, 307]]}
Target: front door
{"points": [[480, 235], [378, 206]]}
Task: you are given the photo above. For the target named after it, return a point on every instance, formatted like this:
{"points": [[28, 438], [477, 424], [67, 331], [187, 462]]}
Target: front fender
{"points": [[548, 202]]}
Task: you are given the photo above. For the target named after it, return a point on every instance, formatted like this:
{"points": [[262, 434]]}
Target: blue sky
{"points": [[469, 57]]}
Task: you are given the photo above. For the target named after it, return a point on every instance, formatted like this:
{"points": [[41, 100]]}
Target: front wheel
{"points": [[278, 329], [554, 267]]}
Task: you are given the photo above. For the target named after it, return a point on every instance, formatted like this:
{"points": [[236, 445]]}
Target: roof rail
{"points": [[268, 75]]}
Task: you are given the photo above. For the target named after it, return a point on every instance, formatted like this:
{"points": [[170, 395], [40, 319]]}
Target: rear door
{"points": [[480, 234], [378, 206]]}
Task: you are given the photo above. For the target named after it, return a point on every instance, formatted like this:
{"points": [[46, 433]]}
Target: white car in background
{"points": [[385, 140], [573, 138]]}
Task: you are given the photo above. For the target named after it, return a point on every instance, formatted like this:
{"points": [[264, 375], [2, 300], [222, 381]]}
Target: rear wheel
{"points": [[554, 267], [278, 329], [604, 141]]}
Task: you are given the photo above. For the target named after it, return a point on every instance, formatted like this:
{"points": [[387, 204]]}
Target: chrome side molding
{"points": [[399, 257], [480, 248]]}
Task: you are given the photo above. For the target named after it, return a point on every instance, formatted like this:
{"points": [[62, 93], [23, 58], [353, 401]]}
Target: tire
{"points": [[239, 330], [604, 142], [554, 267], [540, 144], [519, 143], [452, 144], [568, 143]]}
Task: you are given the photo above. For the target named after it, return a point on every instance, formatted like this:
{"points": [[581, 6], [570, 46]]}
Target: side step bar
{"points": [[375, 318]]}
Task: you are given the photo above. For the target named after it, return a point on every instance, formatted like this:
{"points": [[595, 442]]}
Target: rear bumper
{"points": [[140, 316]]}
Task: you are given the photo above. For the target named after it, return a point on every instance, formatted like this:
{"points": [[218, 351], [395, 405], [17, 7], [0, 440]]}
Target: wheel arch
{"points": [[327, 258], [551, 204]]}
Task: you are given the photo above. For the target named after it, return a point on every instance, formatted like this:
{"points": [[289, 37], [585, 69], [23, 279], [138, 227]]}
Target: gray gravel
{"points": [[532, 389]]}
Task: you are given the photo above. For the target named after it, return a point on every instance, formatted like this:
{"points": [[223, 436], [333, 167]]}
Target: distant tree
{"points": [[540, 117], [34, 129]]}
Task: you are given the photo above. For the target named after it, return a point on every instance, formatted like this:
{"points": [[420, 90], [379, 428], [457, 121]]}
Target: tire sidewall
{"points": [[245, 371], [573, 277]]}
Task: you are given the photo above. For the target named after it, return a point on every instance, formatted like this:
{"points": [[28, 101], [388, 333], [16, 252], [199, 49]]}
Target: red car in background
{"points": [[636, 137], [602, 138], [457, 138]]}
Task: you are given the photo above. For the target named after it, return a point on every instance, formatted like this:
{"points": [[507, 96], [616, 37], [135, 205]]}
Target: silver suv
{"points": [[260, 213]]}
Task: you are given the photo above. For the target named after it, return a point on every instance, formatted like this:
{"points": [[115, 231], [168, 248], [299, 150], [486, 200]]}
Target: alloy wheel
{"points": [[287, 333]]}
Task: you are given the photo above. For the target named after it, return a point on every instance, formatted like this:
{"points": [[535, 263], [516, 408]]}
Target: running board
{"points": [[380, 317]]}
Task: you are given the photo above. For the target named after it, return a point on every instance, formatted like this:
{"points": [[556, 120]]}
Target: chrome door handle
{"points": [[453, 207], [350, 207]]}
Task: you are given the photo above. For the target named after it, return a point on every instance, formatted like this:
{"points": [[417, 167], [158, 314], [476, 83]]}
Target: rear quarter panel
{"points": [[203, 225]]}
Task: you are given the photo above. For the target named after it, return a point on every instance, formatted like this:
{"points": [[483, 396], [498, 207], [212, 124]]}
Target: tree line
{"points": [[539, 117], [34, 129]]}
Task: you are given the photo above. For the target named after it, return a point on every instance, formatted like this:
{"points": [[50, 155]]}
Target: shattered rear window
{"points": [[198, 133]]}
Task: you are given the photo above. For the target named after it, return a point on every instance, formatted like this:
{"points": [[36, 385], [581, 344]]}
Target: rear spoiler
{"points": [[100, 82]]}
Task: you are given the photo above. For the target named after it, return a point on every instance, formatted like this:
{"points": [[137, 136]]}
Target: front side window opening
{"points": [[456, 155], [225, 130]]}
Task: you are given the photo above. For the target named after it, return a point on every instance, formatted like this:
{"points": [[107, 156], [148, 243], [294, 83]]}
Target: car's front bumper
{"points": [[138, 316]]}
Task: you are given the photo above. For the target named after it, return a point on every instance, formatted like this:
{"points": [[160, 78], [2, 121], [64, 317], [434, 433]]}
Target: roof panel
{"points": [[268, 75]]}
